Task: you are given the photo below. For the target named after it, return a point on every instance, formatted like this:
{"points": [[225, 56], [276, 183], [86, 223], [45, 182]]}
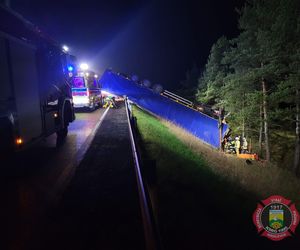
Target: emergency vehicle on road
{"points": [[35, 97], [86, 90]]}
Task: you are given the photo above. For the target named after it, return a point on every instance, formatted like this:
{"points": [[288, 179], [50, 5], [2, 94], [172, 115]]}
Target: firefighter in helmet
{"points": [[110, 102], [237, 145]]}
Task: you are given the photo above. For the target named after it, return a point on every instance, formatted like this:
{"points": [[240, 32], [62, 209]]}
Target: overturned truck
{"points": [[206, 128]]}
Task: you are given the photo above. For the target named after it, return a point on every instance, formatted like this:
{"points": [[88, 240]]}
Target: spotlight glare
{"points": [[84, 66], [65, 48]]}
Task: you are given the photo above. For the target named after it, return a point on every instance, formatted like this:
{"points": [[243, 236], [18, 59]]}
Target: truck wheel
{"points": [[93, 107], [62, 133]]}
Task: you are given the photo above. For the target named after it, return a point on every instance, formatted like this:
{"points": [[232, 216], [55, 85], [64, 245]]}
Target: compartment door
{"points": [[26, 89]]}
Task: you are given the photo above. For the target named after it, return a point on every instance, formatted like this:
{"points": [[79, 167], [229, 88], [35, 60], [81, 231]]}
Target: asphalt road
{"points": [[33, 183], [100, 207]]}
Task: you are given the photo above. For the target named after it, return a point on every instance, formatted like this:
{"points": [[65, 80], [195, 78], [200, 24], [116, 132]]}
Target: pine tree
{"points": [[256, 75], [285, 35], [187, 87], [213, 76], [254, 59]]}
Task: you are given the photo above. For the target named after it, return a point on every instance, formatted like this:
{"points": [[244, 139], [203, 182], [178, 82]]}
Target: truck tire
{"points": [[93, 107], [63, 132]]}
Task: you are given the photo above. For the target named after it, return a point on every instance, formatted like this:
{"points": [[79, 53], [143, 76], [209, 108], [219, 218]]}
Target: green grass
{"points": [[190, 193], [259, 178], [200, 190]]}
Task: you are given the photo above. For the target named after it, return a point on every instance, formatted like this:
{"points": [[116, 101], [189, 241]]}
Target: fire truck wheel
{"points": [[63, 132], [93, 107]]}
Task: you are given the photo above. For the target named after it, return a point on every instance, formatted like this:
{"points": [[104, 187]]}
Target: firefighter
{"points": [[110, 102], [113, 101], [229, 146], [107, 102], [237, 145], [244, 145]]}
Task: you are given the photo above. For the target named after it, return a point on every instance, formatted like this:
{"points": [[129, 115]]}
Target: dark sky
{"points": [[157, 40]]}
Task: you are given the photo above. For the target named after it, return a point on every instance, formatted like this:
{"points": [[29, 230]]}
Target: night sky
{"points": [[157, 40]]}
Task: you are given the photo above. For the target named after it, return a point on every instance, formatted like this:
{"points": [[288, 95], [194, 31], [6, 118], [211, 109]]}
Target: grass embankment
{"points": [[282, 148], [202, 192], [258, 178]]}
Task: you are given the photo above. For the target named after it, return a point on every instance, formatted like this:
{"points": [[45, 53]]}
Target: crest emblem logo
{"points": [[276, 218]]}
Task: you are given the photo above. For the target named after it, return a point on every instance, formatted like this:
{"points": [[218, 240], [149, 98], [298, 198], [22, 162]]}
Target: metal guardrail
{"points": [[177, 98], [150, 232], [204, 109]]}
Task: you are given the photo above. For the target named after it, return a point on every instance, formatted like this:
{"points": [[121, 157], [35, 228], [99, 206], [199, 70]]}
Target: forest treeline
{"points": [[255, 77]]}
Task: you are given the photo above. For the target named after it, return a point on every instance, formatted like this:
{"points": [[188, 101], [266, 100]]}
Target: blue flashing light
{"points": [[70, 68]]}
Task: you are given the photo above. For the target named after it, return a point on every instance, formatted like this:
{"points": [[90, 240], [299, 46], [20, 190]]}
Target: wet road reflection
{"points": [[32, 183]]}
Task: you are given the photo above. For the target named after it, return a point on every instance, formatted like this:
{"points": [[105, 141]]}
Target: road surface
{"points": [[100, 207], [35, 181]]}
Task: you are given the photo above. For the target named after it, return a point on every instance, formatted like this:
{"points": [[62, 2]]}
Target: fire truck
{"points": [[35, 95]]}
